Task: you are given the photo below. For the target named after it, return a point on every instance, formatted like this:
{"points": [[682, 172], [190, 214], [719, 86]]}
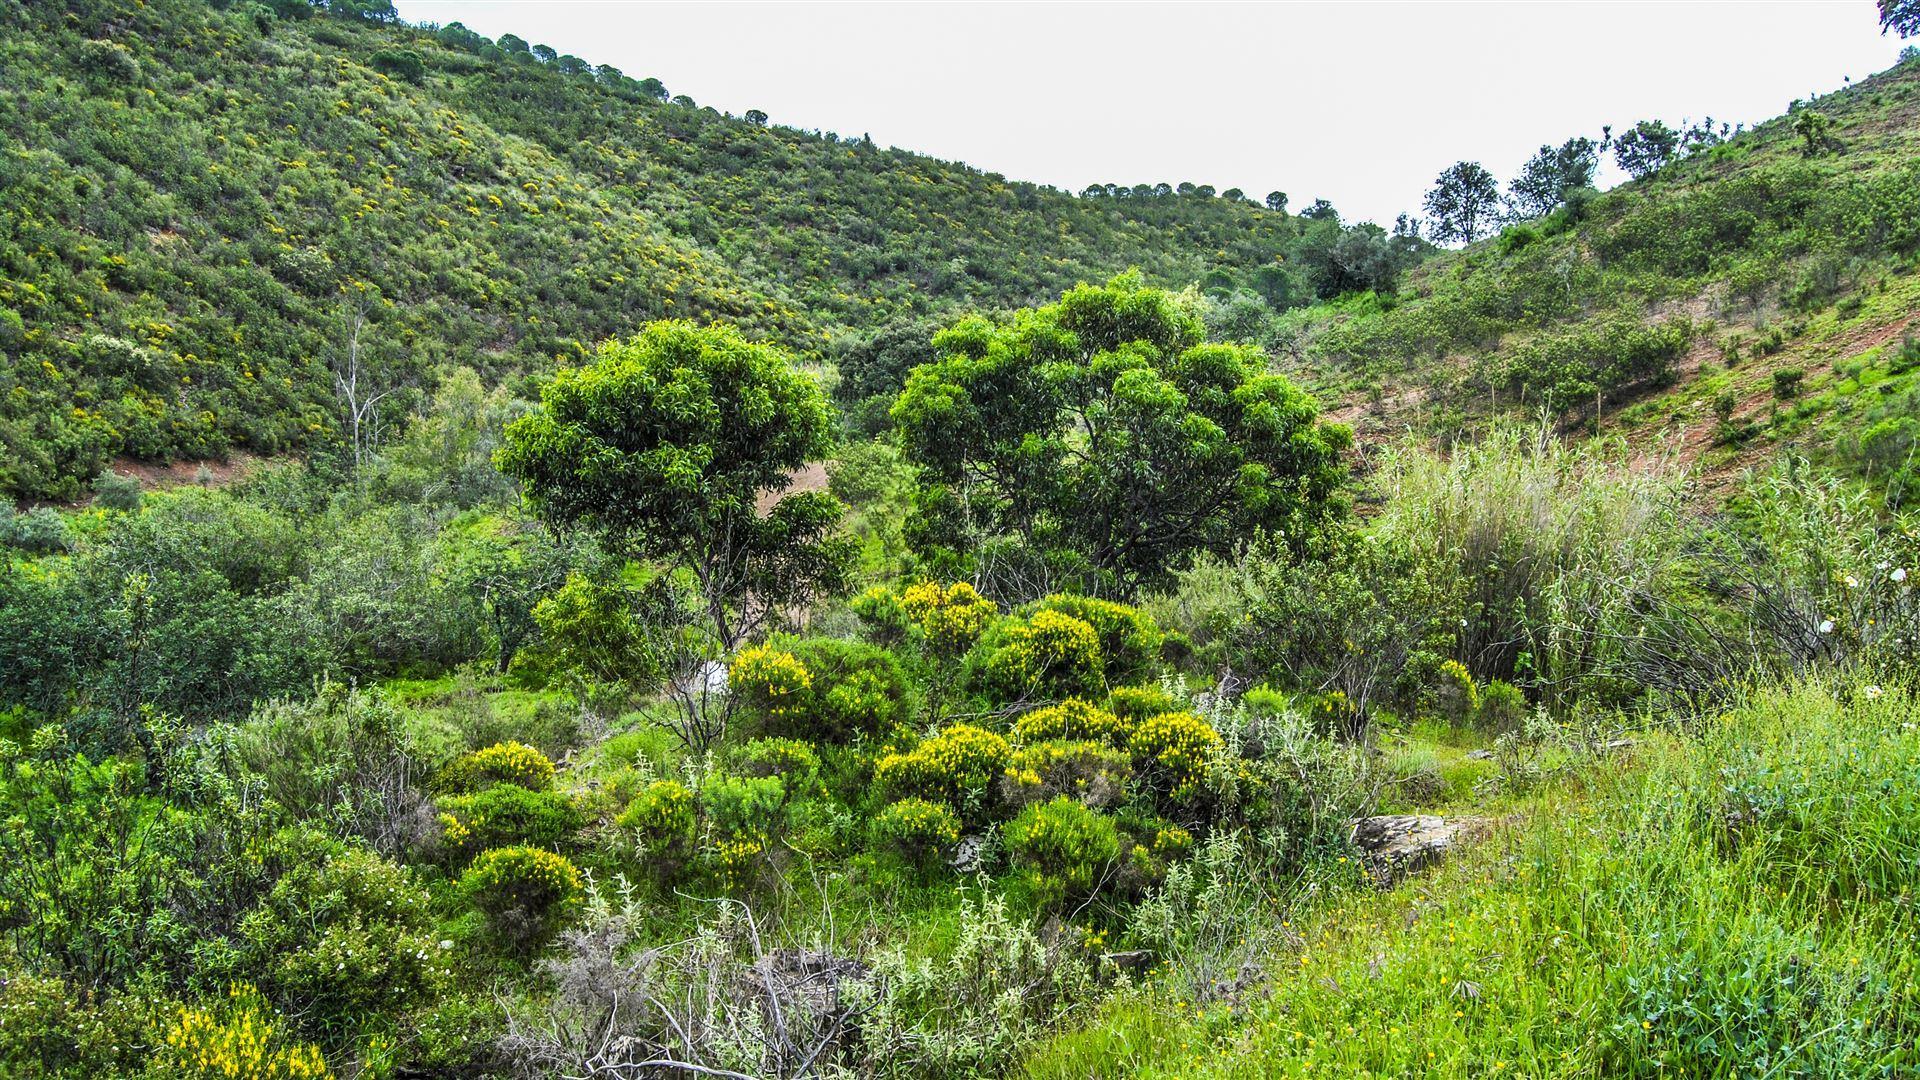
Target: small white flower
{"points": [[1852, 582], [1826, 626], [1900, 574], [1871, 692]]}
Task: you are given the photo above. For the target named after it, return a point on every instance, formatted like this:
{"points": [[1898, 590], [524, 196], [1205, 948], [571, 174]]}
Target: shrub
{"points": [[1172, 751], [915, 830], [1095, 773], [1786, 383], [744, 806], [238, 1038], [502, 763], [1503, 708], [791, 760], [114, 491], [1062, 848], [1135, 703], [769, 681], [525, 893], [662, 817], [1072, 719], [345, 939], [1046, 655], [957, 767], [1454, 697], [950, 618], [505, 815], [40, 531], [1129, 640], [734, 862]]}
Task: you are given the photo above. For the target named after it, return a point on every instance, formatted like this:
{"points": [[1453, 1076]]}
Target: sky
{"points": [[1361, 103]]}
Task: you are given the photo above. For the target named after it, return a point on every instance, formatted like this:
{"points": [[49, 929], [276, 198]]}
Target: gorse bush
{"points": [[1173, 752], [1046, 654], [1063, 847], [525, 893], [663, 817], [504, 763], [505, 815], [915, 830], [773, 682], [1095, 773], [237, 1039], [1072, 719], [744, 806], [958, 767]]}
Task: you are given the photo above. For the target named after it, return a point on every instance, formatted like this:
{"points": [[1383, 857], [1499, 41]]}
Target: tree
{"points": [[1646, 148], [1551, 173], [1815, 129], [756, 118], [1464, 204], [1277, 201], [664, 445], [1900, 16], [653, 88], [545, 54], [1099, 439]]}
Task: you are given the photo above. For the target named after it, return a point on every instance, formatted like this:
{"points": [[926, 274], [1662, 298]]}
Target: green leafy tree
{"points": [[1099, 438], [1464, 204], [664, 445], [1900, 16], [1551, 173], [1646, 148]]}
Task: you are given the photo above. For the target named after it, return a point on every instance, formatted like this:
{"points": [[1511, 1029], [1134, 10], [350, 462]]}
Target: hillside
{"points": [[209, 212], [1684, 303]]}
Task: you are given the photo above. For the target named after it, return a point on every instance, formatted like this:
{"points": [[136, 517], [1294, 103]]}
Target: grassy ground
{"points": [[1737, 903]]}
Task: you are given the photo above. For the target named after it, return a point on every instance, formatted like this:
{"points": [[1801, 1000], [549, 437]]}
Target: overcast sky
{"points": [[1360, 103]]}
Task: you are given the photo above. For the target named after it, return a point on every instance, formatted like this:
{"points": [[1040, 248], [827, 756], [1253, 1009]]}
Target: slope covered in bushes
{"points": [[215, 219]]}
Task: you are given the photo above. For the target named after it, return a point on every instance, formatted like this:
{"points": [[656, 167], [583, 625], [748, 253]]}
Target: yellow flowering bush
{"points": [[524, 892], [1048, 654], [502, 763], [1129, 638], [662, 818], [769, 680], [915, 829], [1172, 751], [957, 767], [1135, 703], [1072, 719], [1455, 698], [507, 814], [734, 862], [237, 1039], [951, 617], [1094, 773]]}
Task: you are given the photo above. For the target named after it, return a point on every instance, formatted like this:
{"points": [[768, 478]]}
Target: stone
{"points": [[1395, 845]]}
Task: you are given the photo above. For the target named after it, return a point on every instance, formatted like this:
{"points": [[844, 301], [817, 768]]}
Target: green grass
{"points": [[1739, 904]]}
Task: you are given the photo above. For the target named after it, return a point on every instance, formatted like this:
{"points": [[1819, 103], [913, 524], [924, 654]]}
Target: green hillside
{"points": [[1671, 302], [201, 203]]}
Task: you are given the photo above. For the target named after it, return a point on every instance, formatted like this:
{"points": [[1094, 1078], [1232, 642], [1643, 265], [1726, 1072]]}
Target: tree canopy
{"points": [[664, 445], [1099, 440], [1464, 204]]}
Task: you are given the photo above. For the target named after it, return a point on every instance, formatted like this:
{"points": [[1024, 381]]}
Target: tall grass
{"points": [[1740, 904]]}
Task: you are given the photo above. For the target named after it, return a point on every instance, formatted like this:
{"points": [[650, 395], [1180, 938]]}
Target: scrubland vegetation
{"points": [[526, 710]]}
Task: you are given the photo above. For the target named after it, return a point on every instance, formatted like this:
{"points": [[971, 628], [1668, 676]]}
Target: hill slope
{"points": [[1672, 302], [209, 212]]}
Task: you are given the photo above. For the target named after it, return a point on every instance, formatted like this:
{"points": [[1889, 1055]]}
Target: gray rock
{"points": [[1395, 845]]}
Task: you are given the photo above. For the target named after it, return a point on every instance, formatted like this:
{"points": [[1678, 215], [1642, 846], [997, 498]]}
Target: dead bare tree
{"points": [[359, 390]]}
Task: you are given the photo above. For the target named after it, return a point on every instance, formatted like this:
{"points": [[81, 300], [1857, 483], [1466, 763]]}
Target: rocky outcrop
{"points": [[1395, 845]]}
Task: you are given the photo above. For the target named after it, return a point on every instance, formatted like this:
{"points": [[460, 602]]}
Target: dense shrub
{"points": [[745, 806], [1095, 773], [958, 767], [525, 893], [503, 763], [345, 940], [1064, 849], [507, 814], [1044, 655], [1172, 752], [238, 1037], [1072, 719], [915, 830], [662, 817], [1129, 640]]}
